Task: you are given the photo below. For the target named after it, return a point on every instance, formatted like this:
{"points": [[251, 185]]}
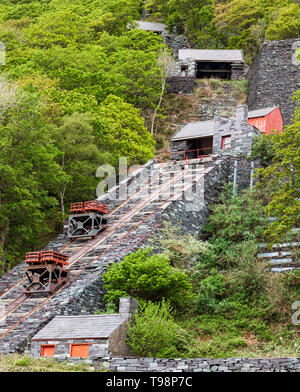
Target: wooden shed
{"points": [[266, 119], [85, 336]]}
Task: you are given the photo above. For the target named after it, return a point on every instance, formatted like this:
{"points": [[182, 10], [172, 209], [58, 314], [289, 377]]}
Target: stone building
{"points": [[221, 137], [90, 336], [274, 77], [195, 64]]}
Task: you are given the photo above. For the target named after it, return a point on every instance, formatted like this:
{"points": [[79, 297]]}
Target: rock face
{"points": [[275, 76]]}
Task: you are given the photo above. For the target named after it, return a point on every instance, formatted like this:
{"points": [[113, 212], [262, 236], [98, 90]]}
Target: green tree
{"points": [[193, 18], [79, 158], [263, 148], [245, 23], [28, 173], [122, 132], [147, 277], [282, 179], [113, 16], [31, 9], [57, 28], [285, 23]]}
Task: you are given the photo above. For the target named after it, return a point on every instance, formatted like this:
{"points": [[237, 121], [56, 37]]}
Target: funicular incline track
{"points": [[70, 249], [19, 308]]}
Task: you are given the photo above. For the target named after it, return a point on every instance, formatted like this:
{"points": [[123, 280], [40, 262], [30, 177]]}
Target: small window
{"points": [[184, 70], [226, 141], [80, 350], [47, 350]]}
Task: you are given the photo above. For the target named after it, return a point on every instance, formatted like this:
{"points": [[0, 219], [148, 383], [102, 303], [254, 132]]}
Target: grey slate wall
{"points": [[176, 42], [202, 365], [274, 77], [242, 134], [180, 84]]}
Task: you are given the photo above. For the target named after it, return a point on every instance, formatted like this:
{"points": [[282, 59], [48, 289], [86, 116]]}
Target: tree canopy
{"points": [[282, 178]]}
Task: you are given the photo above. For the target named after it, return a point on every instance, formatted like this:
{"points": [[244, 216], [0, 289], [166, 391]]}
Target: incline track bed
{"points": [[86, 256]]}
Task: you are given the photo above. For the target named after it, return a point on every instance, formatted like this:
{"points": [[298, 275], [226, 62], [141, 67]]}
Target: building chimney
{"points": [[242, 114], [127, 307]]}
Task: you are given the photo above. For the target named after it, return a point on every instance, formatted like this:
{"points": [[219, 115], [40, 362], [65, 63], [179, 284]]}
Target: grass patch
{"points": [[21, 363]]}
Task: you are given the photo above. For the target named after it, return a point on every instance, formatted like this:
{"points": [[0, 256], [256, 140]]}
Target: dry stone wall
{"points": [[204, 365], [275, 76]]}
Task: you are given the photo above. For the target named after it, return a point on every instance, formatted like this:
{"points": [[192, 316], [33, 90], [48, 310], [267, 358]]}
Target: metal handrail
{"points": [[185, 153]]}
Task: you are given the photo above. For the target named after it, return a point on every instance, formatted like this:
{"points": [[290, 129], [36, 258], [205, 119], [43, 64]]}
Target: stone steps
{"points": [[280, 257]]}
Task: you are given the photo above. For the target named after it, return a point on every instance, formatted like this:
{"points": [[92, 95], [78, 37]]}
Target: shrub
{"points": [[147, 277], [263, 147], [212, 293], [154, 333], [182, 249], [237, 218]]}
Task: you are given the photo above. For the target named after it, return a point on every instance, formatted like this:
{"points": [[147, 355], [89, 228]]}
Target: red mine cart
{"points": [[87, 219], [45, 272]]}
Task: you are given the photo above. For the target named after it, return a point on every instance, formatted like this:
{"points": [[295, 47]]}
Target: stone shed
{"points": [[219, 137], [85, 336], [195, 64], [209, 63]]}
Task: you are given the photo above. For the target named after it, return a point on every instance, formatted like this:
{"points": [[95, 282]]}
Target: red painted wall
{"points": [[271, 121]]}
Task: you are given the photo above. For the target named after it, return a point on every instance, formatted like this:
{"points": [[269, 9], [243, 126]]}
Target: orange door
{"points": [[47, 351], [80, 350]]}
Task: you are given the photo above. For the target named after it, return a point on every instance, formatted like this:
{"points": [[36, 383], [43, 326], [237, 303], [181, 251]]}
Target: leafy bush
{"points": [[147, 277], [154, 333], [237, 218], [182, 249], [263, 147], [212, 294]]}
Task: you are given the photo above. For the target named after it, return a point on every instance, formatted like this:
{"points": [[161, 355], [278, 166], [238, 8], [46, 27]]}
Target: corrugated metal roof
{"points": [[150, 26], [260, 112], [211, 55], [194, 130], [80, 327]]}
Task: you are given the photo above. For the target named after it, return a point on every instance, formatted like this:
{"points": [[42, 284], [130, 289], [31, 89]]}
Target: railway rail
{"points": [[115, 233]]}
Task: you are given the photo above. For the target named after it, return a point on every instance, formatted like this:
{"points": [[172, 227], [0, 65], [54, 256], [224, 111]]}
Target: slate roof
{"points": [[150, 26], [71, 327], [211, 55], [261, 112], [194, 130]]}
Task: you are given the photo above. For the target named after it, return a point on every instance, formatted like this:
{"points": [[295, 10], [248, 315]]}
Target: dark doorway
{"points": [[213, 70], [199, 147]]}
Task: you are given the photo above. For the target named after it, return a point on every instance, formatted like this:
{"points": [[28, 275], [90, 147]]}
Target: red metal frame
{"points": [[88, 206], [32, 257], [95, 206], [46, 257], [185, 153], [77, 207], [50, 256]]}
